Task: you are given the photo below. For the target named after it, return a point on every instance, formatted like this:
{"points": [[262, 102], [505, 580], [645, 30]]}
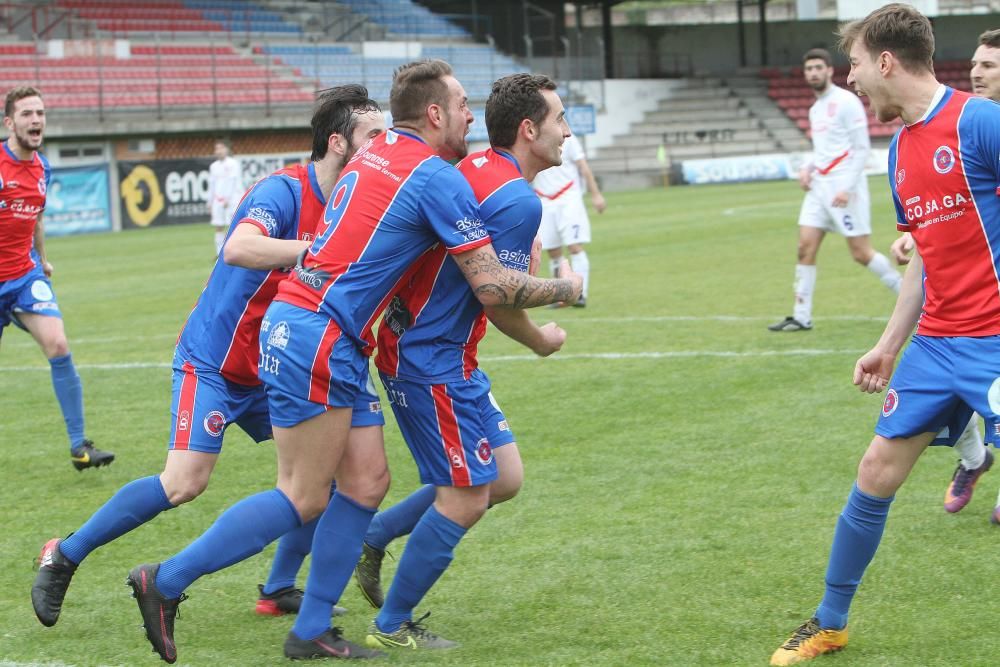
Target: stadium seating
{"points": [[126, 17], [405, 18]]}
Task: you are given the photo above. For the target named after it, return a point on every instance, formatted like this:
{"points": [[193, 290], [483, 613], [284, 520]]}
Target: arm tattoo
{"points": [[513, 288]]}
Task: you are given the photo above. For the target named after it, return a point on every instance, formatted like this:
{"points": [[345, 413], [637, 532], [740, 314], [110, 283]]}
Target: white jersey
{"points": [[225, 182], [554, 182], [839, 127]]}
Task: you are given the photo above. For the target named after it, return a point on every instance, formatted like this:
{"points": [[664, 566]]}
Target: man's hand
{"points": [[46, 268], [901, 248], [873, 370], [566, 271], [597, 199], [805, 179], [841, 199], [553, 338]]}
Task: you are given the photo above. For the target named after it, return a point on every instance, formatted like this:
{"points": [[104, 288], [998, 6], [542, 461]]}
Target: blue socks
{"points": [[69, 393], [426, 557], [133, 505], [336, 549], [240, 532], [399, 519], [858, 533], [293, 547]]}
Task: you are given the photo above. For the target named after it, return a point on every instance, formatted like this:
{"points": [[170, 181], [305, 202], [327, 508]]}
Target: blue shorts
{"points": [[205, 403], [31, 293], [308, 364], [937, 386], [451, 429]]}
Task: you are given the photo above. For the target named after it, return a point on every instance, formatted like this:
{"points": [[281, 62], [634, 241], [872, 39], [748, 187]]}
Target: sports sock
{"points": [[427, 555], [241, 531], [805, 282], [133, 505], [293, 547], [336, 550], [970, 446], [69, 393], [580, 264], [858, 533], [220, 240], [399, 519], [554, 263], [880, 266]]}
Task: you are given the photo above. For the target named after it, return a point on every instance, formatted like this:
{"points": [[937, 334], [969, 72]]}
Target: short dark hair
{"points": [[897, 28], [416, 86], [818, 54], [512, 99], [990, 38], [16, 95], [337, 112]]}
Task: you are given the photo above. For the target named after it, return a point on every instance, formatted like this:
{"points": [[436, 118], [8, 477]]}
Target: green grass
{"points": [[678, 507]]}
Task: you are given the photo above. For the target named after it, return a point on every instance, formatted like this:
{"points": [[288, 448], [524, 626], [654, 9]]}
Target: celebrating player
{"points": [[26, 296], [215, 363], [943, 173], [427, 343], [836, 188], [395, 200]]}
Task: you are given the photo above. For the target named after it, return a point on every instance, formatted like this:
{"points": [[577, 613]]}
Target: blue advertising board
{"points": [[78, 201]]}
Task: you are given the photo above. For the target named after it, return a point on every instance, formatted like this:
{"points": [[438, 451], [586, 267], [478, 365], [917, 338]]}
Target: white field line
{"points": [[612, 356]]}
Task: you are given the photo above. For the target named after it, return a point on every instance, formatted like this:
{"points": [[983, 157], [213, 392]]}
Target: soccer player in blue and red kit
{"points": [[396, 199], [215, 362], [945, 181], [427, 346], [26, 296]]}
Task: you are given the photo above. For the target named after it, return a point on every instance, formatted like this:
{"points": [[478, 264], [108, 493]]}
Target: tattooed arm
{"points": [[496, 285]]}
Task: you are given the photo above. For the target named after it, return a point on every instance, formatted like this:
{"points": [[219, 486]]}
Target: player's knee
{"points": [[54, 347], [504, 489], [806, 253], [367, 488], [464, 506], [876, 474], [180, 491], [862, 256]]}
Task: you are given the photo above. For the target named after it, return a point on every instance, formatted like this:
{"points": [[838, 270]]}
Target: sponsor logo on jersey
{"points": [[515, 259], [41, 291], [13, 184], [215, 423], [375, 407], [944, 159], [484, 453], [314, 277], [279, 335], [919, 211], [397, 317], [44, 305], [479, 161], [264, 217], [502, 425], [183, 420], [891, 403]]}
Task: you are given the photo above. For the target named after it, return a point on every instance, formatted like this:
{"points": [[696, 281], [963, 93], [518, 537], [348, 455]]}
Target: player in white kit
{"points": [[564, 215], [225, 189], [836, 188]]}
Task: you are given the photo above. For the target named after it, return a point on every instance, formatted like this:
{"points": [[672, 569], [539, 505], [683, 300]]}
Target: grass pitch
{"points": [[684, 466]]}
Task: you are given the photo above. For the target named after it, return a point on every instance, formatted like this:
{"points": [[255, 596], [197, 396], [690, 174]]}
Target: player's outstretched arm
{"points": [[249, 248], [496, 285], [515, 324]]}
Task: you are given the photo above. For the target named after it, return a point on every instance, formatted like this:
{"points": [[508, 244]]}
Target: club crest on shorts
{"points": [[944, 159], [41, 291], [484, 452], [891, 403], [215, 423]]}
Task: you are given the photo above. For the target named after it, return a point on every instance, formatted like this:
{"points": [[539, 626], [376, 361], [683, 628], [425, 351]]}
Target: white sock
{"points": [[881, 267], [805, 282], [970, 445], [220, 239], [580, 264], [554, 263]]}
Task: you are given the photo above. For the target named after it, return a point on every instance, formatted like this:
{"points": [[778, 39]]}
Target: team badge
{"points": [[900, 176], [278, 337], [215, 423], [891, 403], [944, 159], [41, 291], [484, 452]]}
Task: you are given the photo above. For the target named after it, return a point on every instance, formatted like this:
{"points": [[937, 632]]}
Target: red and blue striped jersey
{"points": [[395, 200], [221, 334], [434, 322], [22, 199], [945, 181]]}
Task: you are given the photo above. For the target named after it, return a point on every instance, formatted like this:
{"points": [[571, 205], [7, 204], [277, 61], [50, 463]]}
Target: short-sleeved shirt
{"points": [[834, 120], [222, 332], [23, 184], [395, 200], [434, 322], [564, 179], [945, 180]]}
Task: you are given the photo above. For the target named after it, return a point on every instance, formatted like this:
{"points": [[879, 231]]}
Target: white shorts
{"points": [[851, 220], [564, 221], [222, 213]]}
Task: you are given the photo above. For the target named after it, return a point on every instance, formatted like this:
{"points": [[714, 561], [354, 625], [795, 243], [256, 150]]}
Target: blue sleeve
{"points": [[901, 223], [47, 169], [272, 205], [452, 211], [981, 129], [512, 216]]}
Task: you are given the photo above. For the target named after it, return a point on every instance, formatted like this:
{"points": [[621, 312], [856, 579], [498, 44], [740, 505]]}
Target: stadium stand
{"points": [[126, 17], [404, 18]]}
